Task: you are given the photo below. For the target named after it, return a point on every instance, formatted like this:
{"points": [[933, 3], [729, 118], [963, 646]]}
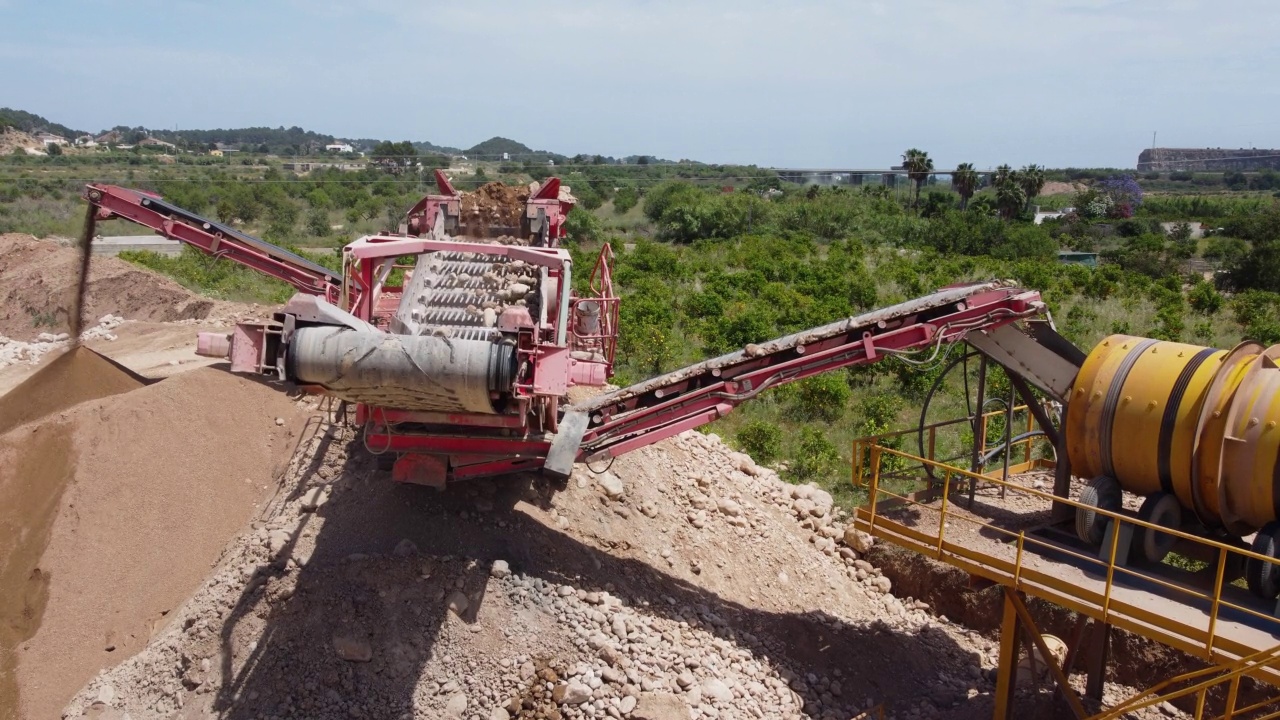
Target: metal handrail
{"points": [[938, 545], [863, 443]]}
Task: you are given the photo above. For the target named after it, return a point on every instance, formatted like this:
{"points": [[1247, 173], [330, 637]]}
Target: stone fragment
{"points": [[352, 649]]}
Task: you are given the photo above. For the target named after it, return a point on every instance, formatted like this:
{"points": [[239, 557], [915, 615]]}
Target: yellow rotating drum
{"points": [[1183, 425]]}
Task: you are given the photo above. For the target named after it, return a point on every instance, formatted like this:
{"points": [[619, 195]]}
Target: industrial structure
{"points": [[459, 338]]}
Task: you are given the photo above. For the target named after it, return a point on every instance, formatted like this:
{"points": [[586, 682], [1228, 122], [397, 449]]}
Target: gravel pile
{"points": [[14, 351], [683, 582]]}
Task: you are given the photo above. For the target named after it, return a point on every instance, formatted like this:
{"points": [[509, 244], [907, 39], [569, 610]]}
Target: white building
{"points": [[51, 139], [339, 147]]}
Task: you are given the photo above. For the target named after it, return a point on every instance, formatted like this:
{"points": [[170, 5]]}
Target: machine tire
{"points": [[1103, 493], [1264, 577], [1161, 509]]}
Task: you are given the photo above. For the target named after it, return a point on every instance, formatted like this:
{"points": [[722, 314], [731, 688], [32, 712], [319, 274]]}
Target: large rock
{"points": [[858, 540], [456, 706], [716, 690], [822, 501], [611, 485], [729, 507], [803, 507], [458, 602], [574, 693], [659, 706]]}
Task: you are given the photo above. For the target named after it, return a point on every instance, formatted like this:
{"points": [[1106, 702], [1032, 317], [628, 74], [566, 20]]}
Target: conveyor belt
{"points": [[263, 246]]}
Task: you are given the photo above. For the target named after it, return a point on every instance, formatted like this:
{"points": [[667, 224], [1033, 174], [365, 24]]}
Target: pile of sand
{"points": [[115, 499], [37, 288]]}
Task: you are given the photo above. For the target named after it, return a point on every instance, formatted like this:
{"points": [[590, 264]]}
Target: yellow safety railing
{"points": [[1201, 682], [862, 446], [1203, 638]]}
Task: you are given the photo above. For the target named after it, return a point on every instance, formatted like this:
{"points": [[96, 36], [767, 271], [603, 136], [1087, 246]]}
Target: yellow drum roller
{"points": [[1187, 427]]}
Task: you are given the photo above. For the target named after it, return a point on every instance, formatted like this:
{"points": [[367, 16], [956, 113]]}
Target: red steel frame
{"points": [[472, 445], [150, 211]]}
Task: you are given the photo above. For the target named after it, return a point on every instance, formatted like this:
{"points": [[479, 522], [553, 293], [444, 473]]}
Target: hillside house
{"points": [[152, 142], [86, 141], [339, 147], [48, 139]]}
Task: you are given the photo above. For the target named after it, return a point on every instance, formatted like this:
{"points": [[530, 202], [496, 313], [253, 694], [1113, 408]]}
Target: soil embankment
{"points": [[37, 288]]}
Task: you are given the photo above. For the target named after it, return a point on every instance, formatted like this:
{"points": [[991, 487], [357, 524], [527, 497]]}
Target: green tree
{"points": [[1031, 179], [318, 223], [625, 199], [965, 182], [1001, 176], [394, 157], [53, 149], [918, 165], [282, 218], [1010, 197]]}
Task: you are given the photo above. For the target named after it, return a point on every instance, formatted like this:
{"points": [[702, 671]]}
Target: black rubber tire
{"points": [[1101, 492], [1161, 509], [1264, 577]]}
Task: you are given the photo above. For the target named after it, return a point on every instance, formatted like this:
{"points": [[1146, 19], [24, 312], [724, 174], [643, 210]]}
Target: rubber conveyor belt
{"points": [[263, 246]]}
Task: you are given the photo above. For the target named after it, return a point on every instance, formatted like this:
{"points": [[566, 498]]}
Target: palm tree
{"points": [[1010, 197], [1031, 178], [918, 165], [965, 182], [1001, 175]]}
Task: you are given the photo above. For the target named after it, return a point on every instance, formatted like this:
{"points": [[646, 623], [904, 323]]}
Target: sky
{"points": [[792, 83]]}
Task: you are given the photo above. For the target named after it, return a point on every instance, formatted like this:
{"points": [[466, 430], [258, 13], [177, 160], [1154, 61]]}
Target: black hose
{"points": [[928, 399]]}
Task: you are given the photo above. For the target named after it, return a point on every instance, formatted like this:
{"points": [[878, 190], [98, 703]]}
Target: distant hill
{"points": [[495, 147], [31, 123], [279, 140], [288, 141]]}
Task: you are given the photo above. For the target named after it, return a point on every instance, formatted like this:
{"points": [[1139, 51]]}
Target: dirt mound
{"points": [[1061, 188], [493, 205], [37, 286], [13, 139], [112, 512], [76, 376]]}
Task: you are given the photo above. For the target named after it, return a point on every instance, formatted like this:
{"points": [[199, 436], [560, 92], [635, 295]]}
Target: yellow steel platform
{"points": [[1200, 613]]}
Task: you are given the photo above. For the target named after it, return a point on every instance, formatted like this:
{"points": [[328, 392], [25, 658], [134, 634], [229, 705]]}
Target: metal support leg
{"points": [[1010, 635], [979, 428], [1099, 650], [1061, 511]]}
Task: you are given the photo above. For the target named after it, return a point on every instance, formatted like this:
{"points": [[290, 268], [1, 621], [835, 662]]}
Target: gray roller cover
{"points": [[400, 371]]}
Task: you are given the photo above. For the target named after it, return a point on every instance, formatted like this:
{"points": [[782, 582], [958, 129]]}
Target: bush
{"points": [[761, 440], [318, 223], [1204, 299], [815, 458], [582, 226], [821, 397], [625, 199]]}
